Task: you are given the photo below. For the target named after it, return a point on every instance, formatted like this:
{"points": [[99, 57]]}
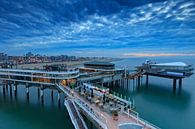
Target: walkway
{"points": [[75, 116], [105, 117]]}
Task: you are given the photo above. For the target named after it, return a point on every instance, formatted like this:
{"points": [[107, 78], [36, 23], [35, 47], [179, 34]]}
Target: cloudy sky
{"points": [[116, 28]]}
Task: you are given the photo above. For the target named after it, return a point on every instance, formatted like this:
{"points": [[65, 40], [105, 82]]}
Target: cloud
{"points": [[159, 25]]}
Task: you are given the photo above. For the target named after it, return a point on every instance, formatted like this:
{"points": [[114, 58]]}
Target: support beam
{"points": [[139, 81], [38, 92], [59, 99], [6, 86], [27, 92], [42, 96], [174, 84], [10, 89], [147, 79], [15, 89], [127, 83], [52, 94], [180, 83], [3, 89]]}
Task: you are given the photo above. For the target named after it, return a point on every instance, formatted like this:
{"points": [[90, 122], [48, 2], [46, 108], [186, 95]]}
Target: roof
{"points": [[176, 64], [98, 63]]}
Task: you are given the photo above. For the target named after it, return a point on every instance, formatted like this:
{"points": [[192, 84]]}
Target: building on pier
{"points": [[99, 65], [172, 70], [101, 72], [38, 76]]}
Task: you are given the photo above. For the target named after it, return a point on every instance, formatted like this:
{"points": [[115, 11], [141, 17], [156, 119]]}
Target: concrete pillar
{"points": [[10, 89], [6, 85], [114, 82], [52, 94], [123, 83], [15, 89], [3, 89], [58, 99], [139, 81], [27, 92], [127, 83], [38, 92], [174, 84], [133, 82], [136, 82], [147, 79], [42, 96], [180, 83]]}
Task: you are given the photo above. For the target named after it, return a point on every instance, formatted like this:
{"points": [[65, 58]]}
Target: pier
{"points": [[86, 94], [176, 71]]}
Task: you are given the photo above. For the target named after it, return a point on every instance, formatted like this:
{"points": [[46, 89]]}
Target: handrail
{"points": [[139, 119], [74, 120], [98, 118]]}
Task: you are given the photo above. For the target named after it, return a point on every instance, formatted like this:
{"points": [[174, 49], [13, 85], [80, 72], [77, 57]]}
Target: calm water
{"points": [[17, 113], [156, 104]]}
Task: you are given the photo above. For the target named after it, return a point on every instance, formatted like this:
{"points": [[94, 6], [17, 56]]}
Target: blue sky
{"points": [[115, 28]]}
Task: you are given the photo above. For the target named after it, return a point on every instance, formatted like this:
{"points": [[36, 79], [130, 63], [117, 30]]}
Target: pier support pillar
{"points": [[38, 92], [10, 89], [42, 96], [15, 89], [6, 86], [3, 89], [27, 92], [127, 83], [58, 99], [180, 83], [139, 81], [174, 84], [52, 95], [133, 82], [147, 79]]}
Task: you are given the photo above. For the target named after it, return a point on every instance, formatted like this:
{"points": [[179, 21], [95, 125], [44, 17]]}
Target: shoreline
{"points": [[70, 64]]}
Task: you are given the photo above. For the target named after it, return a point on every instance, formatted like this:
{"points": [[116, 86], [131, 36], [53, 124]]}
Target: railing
{"points": [[75, 116], [99, 118], [93, 77], [135, 115], [32, 82], [130, 102], [35, 76]]}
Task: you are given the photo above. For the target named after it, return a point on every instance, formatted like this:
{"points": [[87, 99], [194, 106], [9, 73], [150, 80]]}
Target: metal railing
{"points": [[75, 116], [135, 115], [98, 117]]}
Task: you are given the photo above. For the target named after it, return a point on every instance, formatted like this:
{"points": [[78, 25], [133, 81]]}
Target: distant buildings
{"points": [[30, 58], [3, 57]]}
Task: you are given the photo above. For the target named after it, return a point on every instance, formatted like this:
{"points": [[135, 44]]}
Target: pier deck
{"points": [[104, 119]]}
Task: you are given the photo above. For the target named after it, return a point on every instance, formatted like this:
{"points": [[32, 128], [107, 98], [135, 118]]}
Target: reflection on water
{"points": [[18, 113]]}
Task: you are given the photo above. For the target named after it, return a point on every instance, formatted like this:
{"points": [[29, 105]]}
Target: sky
{"points": [[116, 28]]}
